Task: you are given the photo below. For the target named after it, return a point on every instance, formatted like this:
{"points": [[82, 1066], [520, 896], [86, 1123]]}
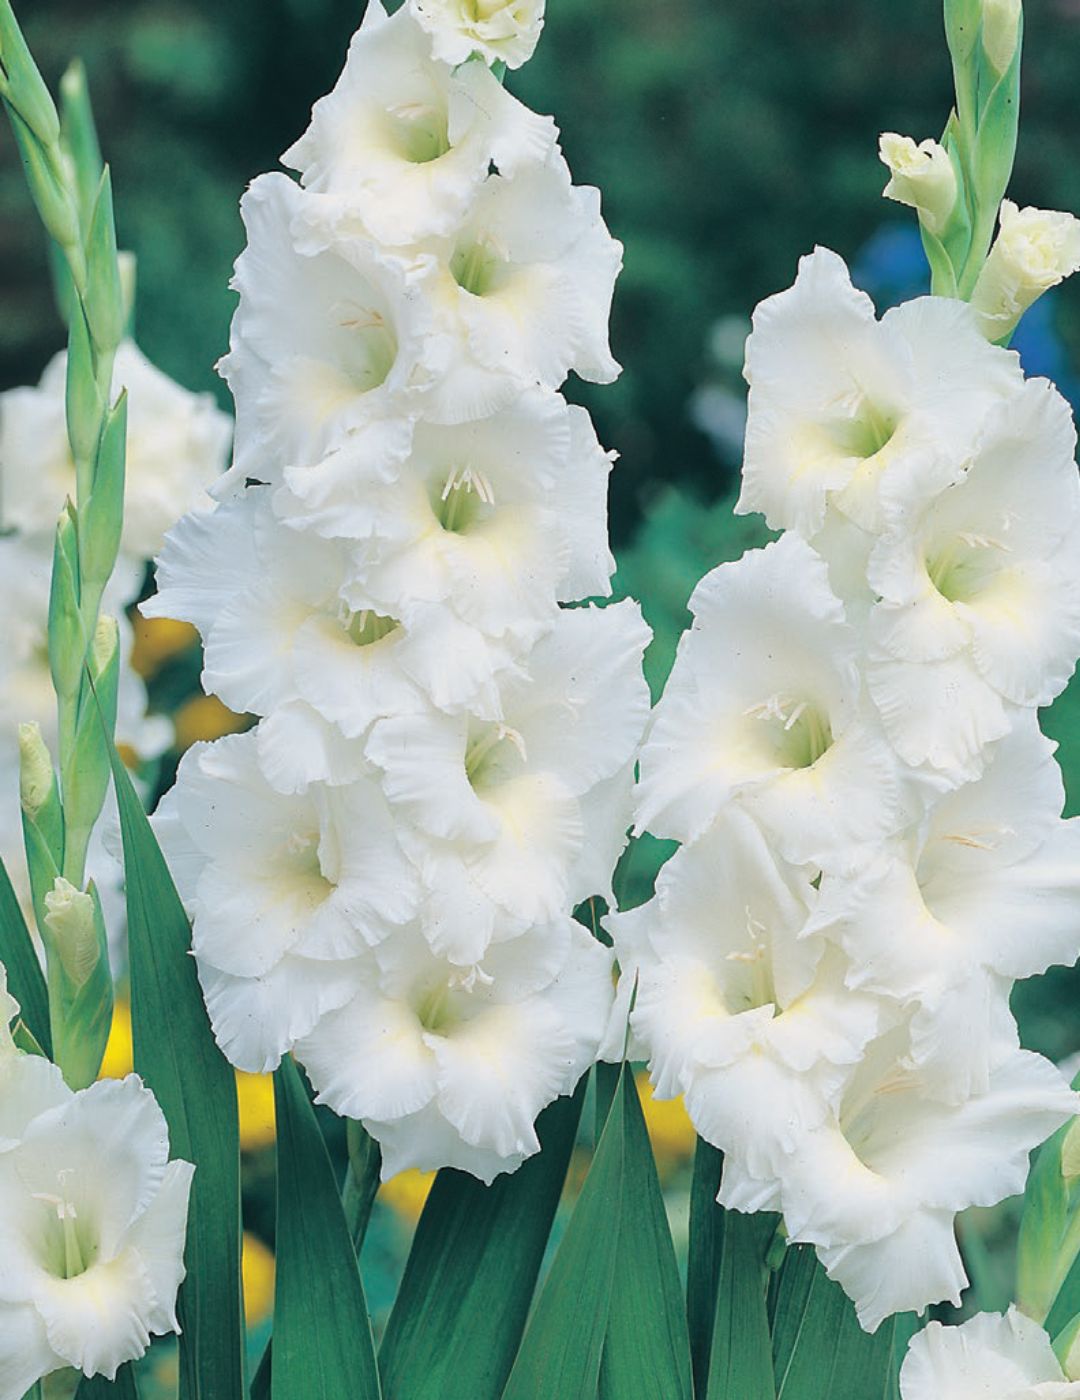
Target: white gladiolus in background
{"points": [[382, 875], [176, 446], [93, 1216], [26, 697], [848, 748], [991, 1355]]}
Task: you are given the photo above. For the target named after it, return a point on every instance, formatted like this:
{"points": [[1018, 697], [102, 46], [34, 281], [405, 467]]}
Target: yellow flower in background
{"points": [[205, 717], [255, 1098], [670, 1131], [257, 1266], [156, 640], [254, 1092], [117, 1060], [406, 1193]]}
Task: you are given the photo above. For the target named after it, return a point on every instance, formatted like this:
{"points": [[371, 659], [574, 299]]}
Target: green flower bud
{"points": [[104, 298], [67, 642], [962, 28], [37, 780], [21, 85], [1001, 32], [86, 776], [80, 980], [1070, 1152], [84, 402], [39, 794], [71, 922], [48, 184], [78, 135], [102, 519]]}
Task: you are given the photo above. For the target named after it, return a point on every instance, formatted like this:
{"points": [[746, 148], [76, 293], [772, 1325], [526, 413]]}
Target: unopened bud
{"points": [[1070, 1151], [9, 1009], [71, 921], [1035, 249], [922, 177], [1001, 32], [37, 780]]}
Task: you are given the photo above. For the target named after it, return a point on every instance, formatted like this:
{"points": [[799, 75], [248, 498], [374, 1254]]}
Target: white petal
{"points": [[158, 1237], [256, 1020], [370, 1059]]}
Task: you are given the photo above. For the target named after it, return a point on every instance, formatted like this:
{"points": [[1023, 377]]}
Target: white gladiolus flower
{"points": [[838, 398], [921, 176], [877, 1185], [401, 146], [330, 334], [497, 520], [984, 890], [978, 576], [93, 1217], [283, 893], [494, 812], [750, 1022], [1035, 250], [525, 290], [990, 1357], [500, 31], [291, 631], [764, 708], [177, 444], [449, 1066]]}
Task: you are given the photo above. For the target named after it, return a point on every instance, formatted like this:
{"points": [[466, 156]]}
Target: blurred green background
{"points": [[728, 137]]}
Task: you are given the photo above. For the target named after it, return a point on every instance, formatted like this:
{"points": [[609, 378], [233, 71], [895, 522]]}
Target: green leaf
{"points": [[176, 1055], [610, 1312], [740, 1361], [357, 1197], [819, 1350], [703, 1261], [98, 1388], [465, 1296], [323, 1349], [1047, 1262], [26, 981]]}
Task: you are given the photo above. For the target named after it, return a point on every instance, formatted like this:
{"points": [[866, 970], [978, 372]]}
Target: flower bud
{"points": [[1035, 249], [37, 780], [70, 919], [1001, 32], [500, 31], [922, 177], [1070, 1152]]}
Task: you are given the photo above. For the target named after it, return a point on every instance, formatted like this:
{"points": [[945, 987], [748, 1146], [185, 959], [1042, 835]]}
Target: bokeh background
{"points": [[727, 139]]}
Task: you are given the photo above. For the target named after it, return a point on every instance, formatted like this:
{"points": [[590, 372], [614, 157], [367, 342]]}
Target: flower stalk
{"points": [[73, 195]]}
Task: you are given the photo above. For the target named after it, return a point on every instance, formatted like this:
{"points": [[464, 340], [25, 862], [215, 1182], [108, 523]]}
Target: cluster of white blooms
{"points": [[848, 749], [177, 445], [992, 1357], [93, 1216], [382, 873]]}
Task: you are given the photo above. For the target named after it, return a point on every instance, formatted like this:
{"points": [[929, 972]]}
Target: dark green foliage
{"points": [[26, 981], [469, 1281], [323, 1348], [176, 1056]]}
